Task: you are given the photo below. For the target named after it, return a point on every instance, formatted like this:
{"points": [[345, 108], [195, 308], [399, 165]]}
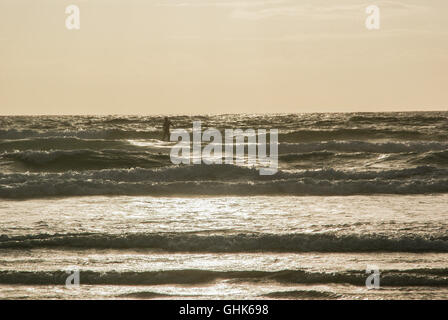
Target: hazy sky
{"points": [[222, 56]]}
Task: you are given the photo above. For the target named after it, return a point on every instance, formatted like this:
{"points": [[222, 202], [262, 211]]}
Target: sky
{"points": [[222, 56]]}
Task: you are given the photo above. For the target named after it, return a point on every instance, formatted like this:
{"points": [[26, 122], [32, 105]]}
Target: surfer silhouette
{"points": [[166, 129]]}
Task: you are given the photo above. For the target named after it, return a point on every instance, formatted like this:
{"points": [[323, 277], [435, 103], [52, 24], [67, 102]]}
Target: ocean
{"points": [[100, 197]]}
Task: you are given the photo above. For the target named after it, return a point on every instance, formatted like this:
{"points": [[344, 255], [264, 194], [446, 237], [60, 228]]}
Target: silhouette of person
{"points": [[166, 129]]}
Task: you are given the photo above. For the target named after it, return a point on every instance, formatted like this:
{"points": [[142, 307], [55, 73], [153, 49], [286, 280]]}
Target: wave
{"points": [[56, 154], [327, 158], [86, 159], [187, 242], [307, 156], [105, 134], [285, 135], [394, 278], [402, 118], [302, 294], [62, 143], [362, 146], [222, 180], [144, 295], [338, 159], [72, 143], [434, 158], [224, 173], [358, 134]]}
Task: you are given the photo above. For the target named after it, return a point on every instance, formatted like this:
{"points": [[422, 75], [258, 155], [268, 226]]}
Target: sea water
{"points": [[99, 194]]}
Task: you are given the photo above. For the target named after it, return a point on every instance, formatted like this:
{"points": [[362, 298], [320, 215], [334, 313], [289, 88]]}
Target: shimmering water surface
{"points": [[100, 194]]}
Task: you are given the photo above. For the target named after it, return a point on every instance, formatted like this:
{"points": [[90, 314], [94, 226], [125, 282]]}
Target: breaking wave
{"points": [[358, 134], [222, 180], [381, 153], [433, 157], [60, 143], [86, 159], [395, 278], [363, 146], [187, 242]]}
